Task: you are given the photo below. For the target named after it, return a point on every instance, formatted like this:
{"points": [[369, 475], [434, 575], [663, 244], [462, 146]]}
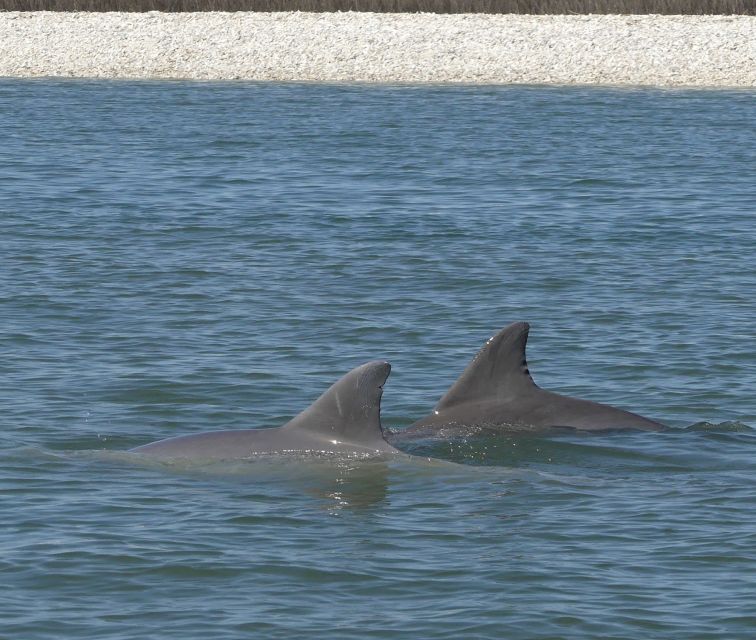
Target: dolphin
{"points": [[496, 391], [346, 419]]}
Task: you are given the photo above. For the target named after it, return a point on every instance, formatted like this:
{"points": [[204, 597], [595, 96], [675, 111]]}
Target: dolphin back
{"points": [[496, 390], [345, 419]]}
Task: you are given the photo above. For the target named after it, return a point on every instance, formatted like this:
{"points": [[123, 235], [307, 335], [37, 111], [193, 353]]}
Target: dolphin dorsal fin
{"points": [[350, 410], [498, 370]]}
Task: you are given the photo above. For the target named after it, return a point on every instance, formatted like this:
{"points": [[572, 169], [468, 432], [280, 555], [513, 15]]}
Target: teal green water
{"points": [[184, 257]]}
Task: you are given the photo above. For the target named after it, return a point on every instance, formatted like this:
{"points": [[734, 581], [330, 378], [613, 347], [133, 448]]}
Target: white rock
{"points": [[326, 47]]}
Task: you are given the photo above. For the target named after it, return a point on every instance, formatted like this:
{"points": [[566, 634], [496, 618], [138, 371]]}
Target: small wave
{"points": [[729, 426]]}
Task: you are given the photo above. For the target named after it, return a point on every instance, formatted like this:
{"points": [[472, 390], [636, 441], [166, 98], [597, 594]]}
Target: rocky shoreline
{"points": [[713, 51]]}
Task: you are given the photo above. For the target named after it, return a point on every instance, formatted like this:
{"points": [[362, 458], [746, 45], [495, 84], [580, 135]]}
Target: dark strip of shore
{"points": [[532, 7]]}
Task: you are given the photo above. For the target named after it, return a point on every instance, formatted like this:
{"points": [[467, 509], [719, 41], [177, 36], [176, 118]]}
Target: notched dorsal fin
{"points": [[350, 410], [499, 369]]}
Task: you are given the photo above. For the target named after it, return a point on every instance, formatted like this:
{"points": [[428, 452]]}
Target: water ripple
{"points": [[183, 257]]}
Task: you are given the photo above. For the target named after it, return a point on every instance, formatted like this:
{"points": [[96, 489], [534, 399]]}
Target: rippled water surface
{"points": [[186, 257]]}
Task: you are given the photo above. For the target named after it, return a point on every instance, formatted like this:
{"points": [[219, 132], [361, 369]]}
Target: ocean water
{"points": [[183, 257]]}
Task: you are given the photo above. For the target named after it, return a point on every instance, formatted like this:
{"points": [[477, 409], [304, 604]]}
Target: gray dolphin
{"points": [[345, 419], [496, 390]]}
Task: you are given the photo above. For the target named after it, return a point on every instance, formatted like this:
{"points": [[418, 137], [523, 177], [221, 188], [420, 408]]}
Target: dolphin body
{"points": [[344, 420], [496, 391]]}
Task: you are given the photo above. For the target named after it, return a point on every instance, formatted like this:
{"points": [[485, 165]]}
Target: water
{"points": [[184, 257]]}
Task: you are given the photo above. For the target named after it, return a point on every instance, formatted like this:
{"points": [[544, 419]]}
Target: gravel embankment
{"points": [[327, 47]]}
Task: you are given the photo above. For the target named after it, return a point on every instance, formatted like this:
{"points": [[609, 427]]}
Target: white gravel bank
{"points": [[325, 47]]}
